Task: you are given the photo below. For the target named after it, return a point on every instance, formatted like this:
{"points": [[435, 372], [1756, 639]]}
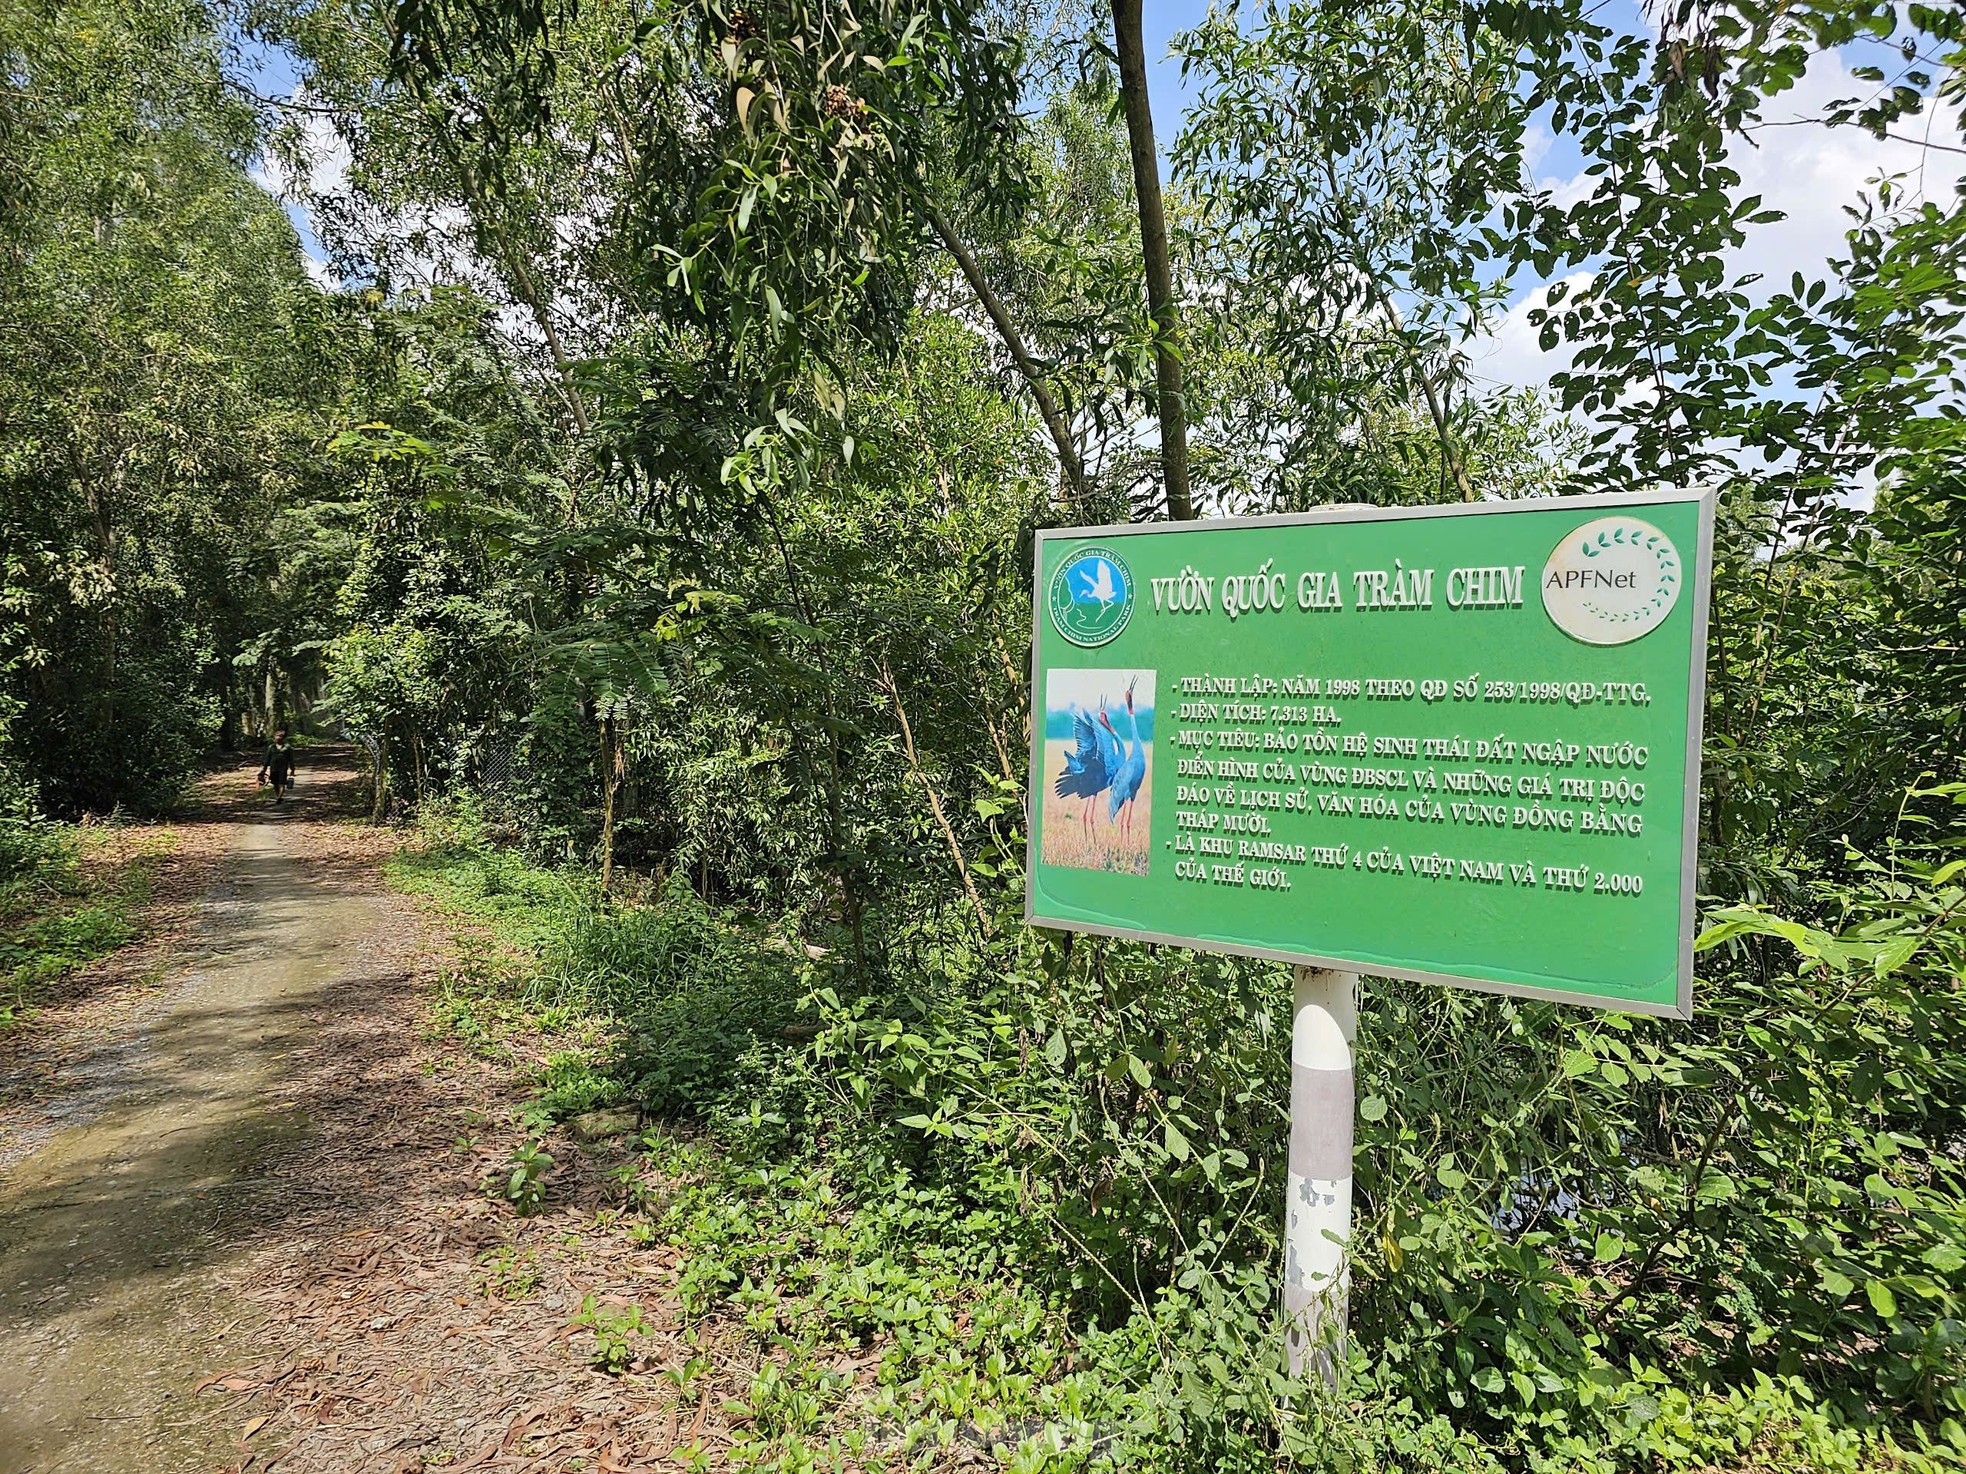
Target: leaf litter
{"points": [[387, 1351]]}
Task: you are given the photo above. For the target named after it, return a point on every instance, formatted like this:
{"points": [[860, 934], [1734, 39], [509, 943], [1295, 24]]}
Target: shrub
{"points": [[691, 995]]}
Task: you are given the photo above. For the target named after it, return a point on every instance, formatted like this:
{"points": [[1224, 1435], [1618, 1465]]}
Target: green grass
{"points": [[826, 1234], [522, 906], [501, 988], [61, 908]]}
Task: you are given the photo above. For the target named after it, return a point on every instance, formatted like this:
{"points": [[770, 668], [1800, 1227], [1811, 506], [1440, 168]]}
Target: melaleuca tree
{"points": [[1352, 163], [702, 491], [1793, 397], [444, 472], [155, 331], [744, 230]]}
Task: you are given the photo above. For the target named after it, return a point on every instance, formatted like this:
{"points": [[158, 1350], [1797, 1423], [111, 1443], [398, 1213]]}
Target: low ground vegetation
{"points": [[1034, 1187], [68, 895]]}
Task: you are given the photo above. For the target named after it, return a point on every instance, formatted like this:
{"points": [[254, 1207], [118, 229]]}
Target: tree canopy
{"points": [[651, 473]]}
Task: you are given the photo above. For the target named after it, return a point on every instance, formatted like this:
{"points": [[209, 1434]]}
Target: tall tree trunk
{"points": [[1070, 466], [102, 496], [893, 690], [613, 767], [1451, 458], [378, 779], [1170, 399]]}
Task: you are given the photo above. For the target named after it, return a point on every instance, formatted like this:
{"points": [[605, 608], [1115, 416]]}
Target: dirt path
{"points": [[244, 1227], [159, 1161]]}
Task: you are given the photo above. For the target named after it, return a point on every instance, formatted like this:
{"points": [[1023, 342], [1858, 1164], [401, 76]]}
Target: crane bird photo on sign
{"points": [[1098, 767]]}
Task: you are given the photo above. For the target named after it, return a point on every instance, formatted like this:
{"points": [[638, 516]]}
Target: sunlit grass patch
{"points": [[72, 895]]}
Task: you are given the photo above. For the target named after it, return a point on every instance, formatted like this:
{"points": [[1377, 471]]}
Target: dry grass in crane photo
{"points": [[1098, 770]]}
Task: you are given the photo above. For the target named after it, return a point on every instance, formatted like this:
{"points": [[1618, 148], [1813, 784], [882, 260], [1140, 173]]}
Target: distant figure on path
{"points": [[279, 765]]}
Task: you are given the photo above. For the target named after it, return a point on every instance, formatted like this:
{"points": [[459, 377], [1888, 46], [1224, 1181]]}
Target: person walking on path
{"points": [[279, 765]]}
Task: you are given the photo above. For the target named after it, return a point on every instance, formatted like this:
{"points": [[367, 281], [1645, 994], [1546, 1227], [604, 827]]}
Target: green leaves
{"points": [[1175, 1141], [165, 367], [524, 1180], [1348, 165]]}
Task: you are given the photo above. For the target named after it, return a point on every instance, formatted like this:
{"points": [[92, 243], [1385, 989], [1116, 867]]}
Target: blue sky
{"points": [[1811, 173], [1159, 23], [272, 73]]}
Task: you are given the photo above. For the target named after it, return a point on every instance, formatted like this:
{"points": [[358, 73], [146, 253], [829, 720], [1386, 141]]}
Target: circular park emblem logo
{"points": [[1612, 581], [1091, 597]]}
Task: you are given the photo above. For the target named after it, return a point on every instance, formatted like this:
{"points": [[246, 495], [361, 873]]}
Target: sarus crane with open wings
{"points": [[1093, 760]]}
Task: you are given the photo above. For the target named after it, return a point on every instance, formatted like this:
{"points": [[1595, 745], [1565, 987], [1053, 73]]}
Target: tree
{"points": [[155, 323], [1170, 404]]}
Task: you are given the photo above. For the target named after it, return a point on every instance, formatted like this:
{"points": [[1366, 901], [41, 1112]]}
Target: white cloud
{"points": [[1565, 192], [1814, 173], [1509, 353], [312, 164], [317, 164], [328, 156], [1810, 172], [1536, 144]]}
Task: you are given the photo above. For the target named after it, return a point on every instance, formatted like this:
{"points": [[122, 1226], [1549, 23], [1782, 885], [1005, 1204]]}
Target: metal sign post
{"points": [[1318, 1213]]}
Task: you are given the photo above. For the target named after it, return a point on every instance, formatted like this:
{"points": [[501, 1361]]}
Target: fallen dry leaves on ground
{"points": [[414, 1322], [113, 995], [403, 1320]]}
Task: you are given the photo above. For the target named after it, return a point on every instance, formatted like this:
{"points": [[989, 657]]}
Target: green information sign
{"points": [[1455, 744]]}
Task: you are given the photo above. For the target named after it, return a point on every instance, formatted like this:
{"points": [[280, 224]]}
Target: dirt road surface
{"points": [[161, 1157], [243, 1221]]}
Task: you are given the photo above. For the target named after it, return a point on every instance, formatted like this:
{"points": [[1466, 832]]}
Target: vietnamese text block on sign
{"points": [[1455, 744]]}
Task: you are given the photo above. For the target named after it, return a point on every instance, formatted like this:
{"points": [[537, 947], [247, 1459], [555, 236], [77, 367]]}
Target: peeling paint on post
{"points": [[1318, 1212]]}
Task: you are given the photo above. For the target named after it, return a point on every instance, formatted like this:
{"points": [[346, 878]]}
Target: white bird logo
{"points": [[1101, 588]]}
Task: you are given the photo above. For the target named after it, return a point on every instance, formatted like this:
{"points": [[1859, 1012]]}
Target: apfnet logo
{"points": [[1612, 581]]}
